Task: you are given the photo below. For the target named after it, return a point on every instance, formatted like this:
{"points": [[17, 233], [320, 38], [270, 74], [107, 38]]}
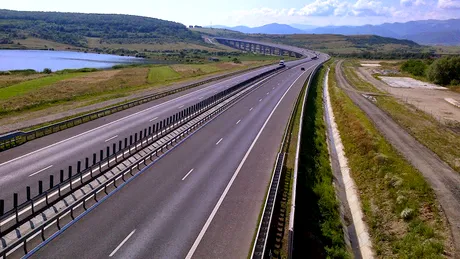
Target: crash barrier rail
{"points": [[260, 244], [17, 138], [151, 151], [294, 183]]}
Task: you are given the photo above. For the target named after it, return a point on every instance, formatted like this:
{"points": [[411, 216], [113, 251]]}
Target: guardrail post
{"points": [[15, 205], [61, 176], [114, 148], [101, 155], [154, 127], [150, 130], [120, 145], [94, 158], [126, 142], [130, 140], [78, 167], [28, 193], [108, 151], [140, 135], [40, 187], [86, 163], [70, 176], [51, 181], [135, 137], [2, 207]]}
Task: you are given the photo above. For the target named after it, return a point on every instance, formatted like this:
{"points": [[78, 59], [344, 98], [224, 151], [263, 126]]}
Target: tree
{"points": [[47, 71], [444, 71]]}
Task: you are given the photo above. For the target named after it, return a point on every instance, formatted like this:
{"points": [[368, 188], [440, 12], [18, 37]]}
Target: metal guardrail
{"points": [[92, 196], [17, 138]]}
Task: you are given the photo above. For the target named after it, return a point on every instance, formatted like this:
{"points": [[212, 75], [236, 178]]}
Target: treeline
{"points": [[442, 71], [73, 28]]}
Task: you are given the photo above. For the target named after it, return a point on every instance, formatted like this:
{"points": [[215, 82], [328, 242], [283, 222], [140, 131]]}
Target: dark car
{"points": [[302, 68]]}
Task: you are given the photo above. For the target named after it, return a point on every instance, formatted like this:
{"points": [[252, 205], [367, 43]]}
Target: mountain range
{"points": [[426, 32]]}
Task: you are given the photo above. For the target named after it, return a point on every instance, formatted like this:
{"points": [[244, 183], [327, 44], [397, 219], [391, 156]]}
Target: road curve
{"points": [[167, 212]]}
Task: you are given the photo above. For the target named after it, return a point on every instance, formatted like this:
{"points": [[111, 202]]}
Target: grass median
{"points": [[318, 229], [400, 208]]}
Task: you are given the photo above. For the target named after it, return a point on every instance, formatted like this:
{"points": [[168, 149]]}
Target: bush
{"points": [[236, 61], [47, 71], [414, 67], [444, 70]]}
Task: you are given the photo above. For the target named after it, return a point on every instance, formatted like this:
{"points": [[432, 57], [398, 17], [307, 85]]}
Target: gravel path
{"points": [[443, 179]]}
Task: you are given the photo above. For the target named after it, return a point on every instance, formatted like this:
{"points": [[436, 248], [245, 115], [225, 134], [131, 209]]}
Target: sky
{"points": [[257, 12]]}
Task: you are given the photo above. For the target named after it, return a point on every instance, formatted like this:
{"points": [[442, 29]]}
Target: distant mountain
{"points": [[428, 32], [303, 27], [273, 28]]}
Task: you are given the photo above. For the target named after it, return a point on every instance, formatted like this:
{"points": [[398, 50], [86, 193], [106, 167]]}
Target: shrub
{"points": [[414, 67], [47, 71]]}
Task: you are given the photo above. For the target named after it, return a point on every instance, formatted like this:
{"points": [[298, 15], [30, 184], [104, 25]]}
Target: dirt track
{"points": [[443, 179]]}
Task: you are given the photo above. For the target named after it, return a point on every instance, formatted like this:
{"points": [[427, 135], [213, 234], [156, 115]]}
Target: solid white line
{"points": [[222, 197], [251, 109], [41, 170], [122, 243], [107, 140], [180, 107], [238, 122], [219, 141], [189, 172], [134, 114], [153, 119]]}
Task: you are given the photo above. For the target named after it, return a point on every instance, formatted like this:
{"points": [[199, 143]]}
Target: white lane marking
{"points": [[222, 197], [273, 88], [200, 98], [182, 106], [153, 119], [107, 140], [252, 108], [189, 172], [122, 243], [268, 93], [238, 122], [41, 170], [134, 114], [219, 141], [260, 100]]}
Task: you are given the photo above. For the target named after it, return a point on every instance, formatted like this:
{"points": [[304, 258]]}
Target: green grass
{"points": [[319, 230], [32, 85], [162, 74], [354, 79], [388, 185]]}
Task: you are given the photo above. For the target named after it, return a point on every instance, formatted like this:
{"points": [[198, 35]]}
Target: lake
{"points": [[59, 60]]}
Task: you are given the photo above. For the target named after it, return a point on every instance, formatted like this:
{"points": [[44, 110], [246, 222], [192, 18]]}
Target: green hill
{"points": [[75, 28]]}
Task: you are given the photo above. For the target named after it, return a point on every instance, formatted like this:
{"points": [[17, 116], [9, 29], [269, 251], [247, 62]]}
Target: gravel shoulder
{"points": [[443, 179]]}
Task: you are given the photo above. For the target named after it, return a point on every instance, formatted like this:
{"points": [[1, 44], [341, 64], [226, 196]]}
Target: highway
{"points": [[201, 200], [36, 160]]}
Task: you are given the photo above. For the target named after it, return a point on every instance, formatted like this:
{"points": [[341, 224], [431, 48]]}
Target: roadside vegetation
{"points": [[353, 78], [400, 207], [319, 230]]}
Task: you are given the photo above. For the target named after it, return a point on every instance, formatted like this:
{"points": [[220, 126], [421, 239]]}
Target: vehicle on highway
{"points": [[281, 62], [302, 68]]}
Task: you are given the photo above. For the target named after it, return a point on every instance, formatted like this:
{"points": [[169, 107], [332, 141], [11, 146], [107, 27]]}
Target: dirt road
{"points": [[443, 179]]}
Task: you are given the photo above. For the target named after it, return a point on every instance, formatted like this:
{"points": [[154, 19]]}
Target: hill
{"points": [[273, 28], [75, 28], [427, 32]]}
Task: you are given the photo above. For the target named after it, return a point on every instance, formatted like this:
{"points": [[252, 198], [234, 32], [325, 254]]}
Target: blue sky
{"points": [[257, 12]]}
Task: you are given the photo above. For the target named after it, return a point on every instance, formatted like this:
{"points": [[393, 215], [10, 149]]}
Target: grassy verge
{"points": [[442, 139], [399, 206], [353, 78], [318, 229]]}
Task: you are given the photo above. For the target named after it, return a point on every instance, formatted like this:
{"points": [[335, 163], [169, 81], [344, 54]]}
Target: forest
{"points": [[73, 28]]}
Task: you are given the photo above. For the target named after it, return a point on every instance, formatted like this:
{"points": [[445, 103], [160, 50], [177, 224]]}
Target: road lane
{"points": [[14, 173], [169, 213]]}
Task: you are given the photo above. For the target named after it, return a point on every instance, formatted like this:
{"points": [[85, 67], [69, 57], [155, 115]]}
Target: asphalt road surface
{"points": [[36, 160], [203, 199]]}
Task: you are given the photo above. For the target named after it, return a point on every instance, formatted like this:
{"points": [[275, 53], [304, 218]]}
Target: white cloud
{"points": [[446, 4], [408, 3]]}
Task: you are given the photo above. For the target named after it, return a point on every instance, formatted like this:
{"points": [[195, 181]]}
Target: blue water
{"points": [[58, 60]]}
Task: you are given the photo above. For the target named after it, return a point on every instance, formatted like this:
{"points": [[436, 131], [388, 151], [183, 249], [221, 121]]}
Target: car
{"points": [[302, 68]]}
